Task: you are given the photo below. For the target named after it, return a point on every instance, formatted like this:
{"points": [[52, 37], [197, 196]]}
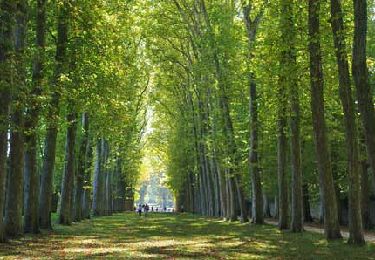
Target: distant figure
{"points": [[165, 209], [157, 209], [139, 210], [152, 209], [146, 210]]}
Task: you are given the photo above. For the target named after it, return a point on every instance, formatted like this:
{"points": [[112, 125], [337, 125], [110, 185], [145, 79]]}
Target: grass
{"points": [[168, 236]]}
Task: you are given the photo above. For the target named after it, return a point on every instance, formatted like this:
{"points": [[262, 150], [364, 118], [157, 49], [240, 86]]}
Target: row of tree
{"points": [[265, 99], [69, 74]]}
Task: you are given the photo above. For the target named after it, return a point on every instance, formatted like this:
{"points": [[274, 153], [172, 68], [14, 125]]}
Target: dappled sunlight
{"points": [[167, 236]]}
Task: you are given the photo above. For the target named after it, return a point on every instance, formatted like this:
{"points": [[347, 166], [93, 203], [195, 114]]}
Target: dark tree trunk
{"points": [[365, 198], [331, 225], [361, 80], [351, 133], [87, 199], [256, 185], [6, 82], [14, 198], [46, 188], [31, 198], [82, 170], [282, 121], [99, 180], [65, 214]]}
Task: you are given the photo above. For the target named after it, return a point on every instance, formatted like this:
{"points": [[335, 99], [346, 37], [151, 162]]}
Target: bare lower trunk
{"points": [[351, 133], [46, 188], [6, 84], [65, 213], [14, 198], [331, 225]]}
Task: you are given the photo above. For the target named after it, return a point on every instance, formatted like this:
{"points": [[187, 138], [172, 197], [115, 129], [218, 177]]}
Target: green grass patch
{"points": [[169, 236]]}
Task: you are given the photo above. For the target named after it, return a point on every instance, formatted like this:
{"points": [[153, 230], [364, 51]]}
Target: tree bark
{"points": [[65, 213], [31, 199], [14, 198], [256, 185], [365, 198], [7, 10], [351, 132], [46, 188], [82, 170], [331, 225], [361, 80]]}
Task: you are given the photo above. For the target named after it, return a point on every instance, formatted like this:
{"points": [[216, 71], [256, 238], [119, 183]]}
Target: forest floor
{"points": [[171, 236], [318, 228]]}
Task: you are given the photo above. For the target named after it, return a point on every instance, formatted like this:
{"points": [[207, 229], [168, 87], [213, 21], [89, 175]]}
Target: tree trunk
{"points": [[7, 10], [253, 157], [256, 185], [65, 213], [282, 122], [99, 193], [82, 170], [46, 188], [87, 200], [31, 198], [361, 80], [365, 198], [351, 133], [331, 225], [14, 198]]}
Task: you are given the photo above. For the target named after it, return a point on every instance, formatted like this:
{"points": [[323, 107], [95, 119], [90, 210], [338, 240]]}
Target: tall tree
{"points": [[7, 11], [361, 80], [331, 224], [82, 169], [46, 188], [67, 184], [351, 133], [31, 185], [257, 193], [14, 198]]}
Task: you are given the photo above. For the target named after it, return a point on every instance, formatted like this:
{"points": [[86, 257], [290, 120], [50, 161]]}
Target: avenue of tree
{"points": [[252, 101]]}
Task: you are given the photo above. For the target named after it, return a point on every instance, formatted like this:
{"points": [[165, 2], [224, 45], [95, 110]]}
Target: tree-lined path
{"points": [[237, 110], [170, 236]]}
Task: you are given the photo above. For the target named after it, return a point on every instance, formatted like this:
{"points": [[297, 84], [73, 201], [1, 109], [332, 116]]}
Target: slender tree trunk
{"points": [[289, 66], [283, 197], [351, 133], [99, 194], [65, 213], [87, 200], [46, 188], [257, 199], [253, 156], [365, 198], [81, 171], [282, 122], [331, 225], [14, 198], [31, 198], [361, 80], [6, 83]]}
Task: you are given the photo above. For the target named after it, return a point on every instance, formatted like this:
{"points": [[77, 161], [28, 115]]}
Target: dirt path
{"points": [[369, 236]]}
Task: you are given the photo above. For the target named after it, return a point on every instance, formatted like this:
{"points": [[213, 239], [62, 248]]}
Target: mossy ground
{"points": [[169, 236]]}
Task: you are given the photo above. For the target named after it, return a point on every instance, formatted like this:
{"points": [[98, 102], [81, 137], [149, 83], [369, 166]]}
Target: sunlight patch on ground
{"points": [[167, 236]]}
